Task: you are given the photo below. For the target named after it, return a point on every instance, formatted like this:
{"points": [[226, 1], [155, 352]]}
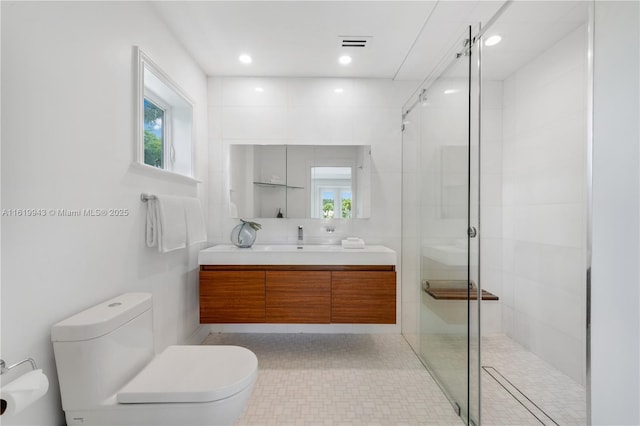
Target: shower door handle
{"points": [[472, 232]]}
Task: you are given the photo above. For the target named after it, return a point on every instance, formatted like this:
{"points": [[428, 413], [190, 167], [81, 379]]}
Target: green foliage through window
{"points": [[328, 211], [327, 208], [153, 134], [346, 208]]}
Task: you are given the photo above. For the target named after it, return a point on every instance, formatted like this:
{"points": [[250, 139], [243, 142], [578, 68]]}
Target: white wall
{"points": [[308, 111], [67, 142], [615, 331], [544, 196]]}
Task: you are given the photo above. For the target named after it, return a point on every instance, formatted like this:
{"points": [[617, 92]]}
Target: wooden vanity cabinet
{"points": [[298, 297], [298, 294], [364, 297], [232, 296]]}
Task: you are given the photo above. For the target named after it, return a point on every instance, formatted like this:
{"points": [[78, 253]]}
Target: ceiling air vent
{"points": [[354, 41]]}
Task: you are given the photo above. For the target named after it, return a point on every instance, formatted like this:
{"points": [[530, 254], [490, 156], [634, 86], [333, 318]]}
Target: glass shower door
{"points": [[448, 233]]}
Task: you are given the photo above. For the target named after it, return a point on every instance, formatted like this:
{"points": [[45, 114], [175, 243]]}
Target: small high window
{"points": [[165, 117]]}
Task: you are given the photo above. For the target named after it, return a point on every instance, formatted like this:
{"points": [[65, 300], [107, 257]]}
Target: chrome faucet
{"points": [[300, 236]]}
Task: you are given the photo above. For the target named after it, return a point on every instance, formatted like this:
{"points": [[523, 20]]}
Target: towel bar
{"points": [[146, 197]]}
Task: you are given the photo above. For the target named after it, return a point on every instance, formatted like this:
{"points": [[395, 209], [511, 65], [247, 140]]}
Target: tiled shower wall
{"points": [[544, 197]]}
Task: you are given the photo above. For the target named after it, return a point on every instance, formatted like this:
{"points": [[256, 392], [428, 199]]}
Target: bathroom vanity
{"points": [[285, 284]]}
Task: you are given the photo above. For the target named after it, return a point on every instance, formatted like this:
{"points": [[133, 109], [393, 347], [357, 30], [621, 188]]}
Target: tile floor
{"points": [[556, 394], [339, 379], [376, 379]]}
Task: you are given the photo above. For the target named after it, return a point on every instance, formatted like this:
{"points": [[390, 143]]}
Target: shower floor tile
{"points": [[560, 397], [339, 379]]}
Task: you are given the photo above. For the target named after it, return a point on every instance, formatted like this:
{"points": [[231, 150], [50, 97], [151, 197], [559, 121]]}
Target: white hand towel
{"points": [[152, 223], [171, 228], [196, 229], [353, 243]]}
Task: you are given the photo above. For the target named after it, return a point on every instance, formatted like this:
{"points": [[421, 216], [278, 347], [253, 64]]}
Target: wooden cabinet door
{"points": [[232, 296], [298, 297], [363, 297]]}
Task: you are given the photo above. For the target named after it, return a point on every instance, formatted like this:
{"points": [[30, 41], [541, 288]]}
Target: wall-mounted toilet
{"points": [[109, 375]]}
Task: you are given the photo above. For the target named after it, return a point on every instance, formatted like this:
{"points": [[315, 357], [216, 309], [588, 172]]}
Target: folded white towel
{"points": [[353, 243], [196, 228], [166, 225], [153, 223]]}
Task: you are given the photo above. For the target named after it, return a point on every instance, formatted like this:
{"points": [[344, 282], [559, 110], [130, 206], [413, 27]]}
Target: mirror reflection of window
{"points": [[331, 192]]}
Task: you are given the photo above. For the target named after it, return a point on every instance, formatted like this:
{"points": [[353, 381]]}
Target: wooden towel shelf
{"points": [[454, 290]]}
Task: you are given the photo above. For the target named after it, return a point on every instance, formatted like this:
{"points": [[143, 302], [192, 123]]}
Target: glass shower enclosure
{"points": [[441, 223]]}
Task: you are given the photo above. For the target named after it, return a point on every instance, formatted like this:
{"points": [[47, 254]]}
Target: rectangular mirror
{"points": [[300, 181]]}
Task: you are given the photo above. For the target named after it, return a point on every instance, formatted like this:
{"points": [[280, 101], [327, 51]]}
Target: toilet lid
{"points": [[192, 374]]}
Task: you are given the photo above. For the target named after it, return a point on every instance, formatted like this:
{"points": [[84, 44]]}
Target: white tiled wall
{"points": [[544, 197], [491, 182], [309, 111]]}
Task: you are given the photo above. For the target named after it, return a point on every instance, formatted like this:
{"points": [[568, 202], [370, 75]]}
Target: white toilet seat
{"points": [[192, 374]]}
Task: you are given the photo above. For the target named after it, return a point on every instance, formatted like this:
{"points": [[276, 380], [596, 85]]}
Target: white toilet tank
{"points": [[99, 350]]}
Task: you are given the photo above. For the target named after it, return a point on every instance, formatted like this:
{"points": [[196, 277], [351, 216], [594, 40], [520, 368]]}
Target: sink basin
{"points": [[289, 254]]}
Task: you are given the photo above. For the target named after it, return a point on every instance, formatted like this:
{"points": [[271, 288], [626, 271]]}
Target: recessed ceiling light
{"points": [[245, 59], [338, 90], [344, 59], [451, 91], [493, 40], [259, 89]]}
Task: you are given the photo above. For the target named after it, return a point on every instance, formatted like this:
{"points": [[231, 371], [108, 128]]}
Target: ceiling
{"points": [[528, 28], [406, 40]]}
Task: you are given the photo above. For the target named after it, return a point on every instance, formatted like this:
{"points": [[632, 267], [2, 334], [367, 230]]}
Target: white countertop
{"points": [[288, 254]]}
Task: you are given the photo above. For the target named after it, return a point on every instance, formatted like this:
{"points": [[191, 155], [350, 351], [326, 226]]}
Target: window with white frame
{"points": [[165, 120]]}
